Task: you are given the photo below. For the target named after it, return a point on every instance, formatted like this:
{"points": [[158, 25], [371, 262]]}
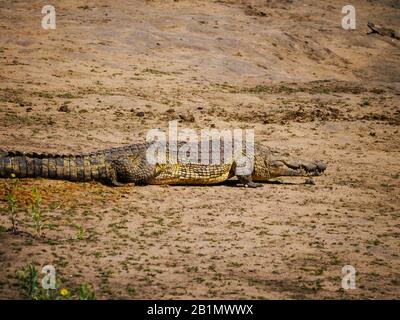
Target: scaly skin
{"points": [[129, 164]]}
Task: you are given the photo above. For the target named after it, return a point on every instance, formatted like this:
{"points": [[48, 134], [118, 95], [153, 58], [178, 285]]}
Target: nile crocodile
{"points": [[129, 164]]}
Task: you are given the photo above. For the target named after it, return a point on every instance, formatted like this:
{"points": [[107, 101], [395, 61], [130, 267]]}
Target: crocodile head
{"points": [[277, 164]]}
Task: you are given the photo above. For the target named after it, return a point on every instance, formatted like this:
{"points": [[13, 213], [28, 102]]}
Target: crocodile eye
{"points": [[276, 164]]}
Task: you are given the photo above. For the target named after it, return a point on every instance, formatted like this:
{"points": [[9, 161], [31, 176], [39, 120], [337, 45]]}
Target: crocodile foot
{"points": [[253, 185]]}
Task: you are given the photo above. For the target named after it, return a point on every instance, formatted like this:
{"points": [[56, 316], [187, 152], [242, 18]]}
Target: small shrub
{"points": [[86, 292], [36, 212], [28, 278]]}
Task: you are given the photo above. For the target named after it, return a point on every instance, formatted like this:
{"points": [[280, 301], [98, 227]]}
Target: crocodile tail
{"points": [[81, 167]]}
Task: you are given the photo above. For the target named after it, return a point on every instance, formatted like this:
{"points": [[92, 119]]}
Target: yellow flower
{"points": [[13, 175], [64, 292]]}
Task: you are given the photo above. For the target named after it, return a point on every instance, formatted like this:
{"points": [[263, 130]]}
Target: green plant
{"points": [[12, 201], [28, 278], [80, 234], [131, 291], [36, 211], [86, 292]]}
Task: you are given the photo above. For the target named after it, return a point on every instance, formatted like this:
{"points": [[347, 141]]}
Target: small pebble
{"points": [[309, 181]]}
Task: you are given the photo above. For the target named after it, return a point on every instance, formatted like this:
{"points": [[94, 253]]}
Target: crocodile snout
{"points": [[316, 167], [321, 166]]}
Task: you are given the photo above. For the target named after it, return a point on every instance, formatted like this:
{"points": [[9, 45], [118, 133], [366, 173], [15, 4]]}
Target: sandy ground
{"points": [[114, 69]]}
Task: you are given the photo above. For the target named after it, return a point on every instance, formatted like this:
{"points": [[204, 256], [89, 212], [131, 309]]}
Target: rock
{"points": [[187, 117], [140, 114], [64, 108]]}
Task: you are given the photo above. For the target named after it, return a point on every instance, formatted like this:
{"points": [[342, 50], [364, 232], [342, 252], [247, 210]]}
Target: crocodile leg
{"points": [[133, 168], [248, 182]]}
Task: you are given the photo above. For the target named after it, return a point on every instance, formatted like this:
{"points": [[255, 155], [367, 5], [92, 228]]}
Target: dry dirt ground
{"points": [[114, 69]]}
